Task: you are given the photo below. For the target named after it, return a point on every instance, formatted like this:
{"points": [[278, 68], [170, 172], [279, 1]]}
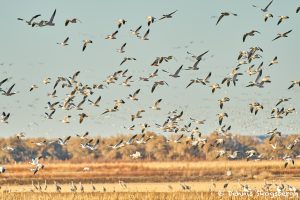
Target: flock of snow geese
{"points": [[171, 124]]}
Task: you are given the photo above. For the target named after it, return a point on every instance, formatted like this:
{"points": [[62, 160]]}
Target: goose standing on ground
{"points": [[30, 21], [64, 43], [74, 20], [166, 16], [280, 35], [224, 14], [85, 43]]}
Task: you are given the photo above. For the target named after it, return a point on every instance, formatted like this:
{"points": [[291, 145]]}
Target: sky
{"points": [[28, 55]]}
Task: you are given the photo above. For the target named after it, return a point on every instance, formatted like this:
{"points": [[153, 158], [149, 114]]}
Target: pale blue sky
{"points": [[34, 55]]}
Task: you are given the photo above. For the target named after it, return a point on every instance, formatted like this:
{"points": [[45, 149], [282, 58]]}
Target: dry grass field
{"points": [[151, 171], [147, 180]]}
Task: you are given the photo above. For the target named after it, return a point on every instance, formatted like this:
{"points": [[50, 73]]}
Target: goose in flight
{"points": [[225, 14], [125, 59], [288, 159], [66, 119], [121, 50], [63, 142], [4, 117], [33, 87], [267, 16], [221, 153], [85, 43], [134, 95], [136, 31], [176, 74], [153, 74], [127, 82], [150, 20], [198, 59], [2, 169], [294, 83], [214, 87], [274, 61], [282, 18], [251, 33], [50, 22], [117, 145], [280, 35], [197, 121], [145, 37], [9, 91], [234, 155], [37, 168], [203, 81], [52, 106], [131, 139], [20, 135], [64, 43], [250, 154], [156, 105], [266, 8], [81, 117], [221, 116], [283, 100], [39, 144], [96, 103], [84, 136], [137, 115], [298, 9], [49, 115], [46, 81], [114, 109], [222, 101], [73, 21], [166, 15], [3, 81], [30, 21], [273, 133], [157, 83], [112, 36], [121, 22], [255, 107]]}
